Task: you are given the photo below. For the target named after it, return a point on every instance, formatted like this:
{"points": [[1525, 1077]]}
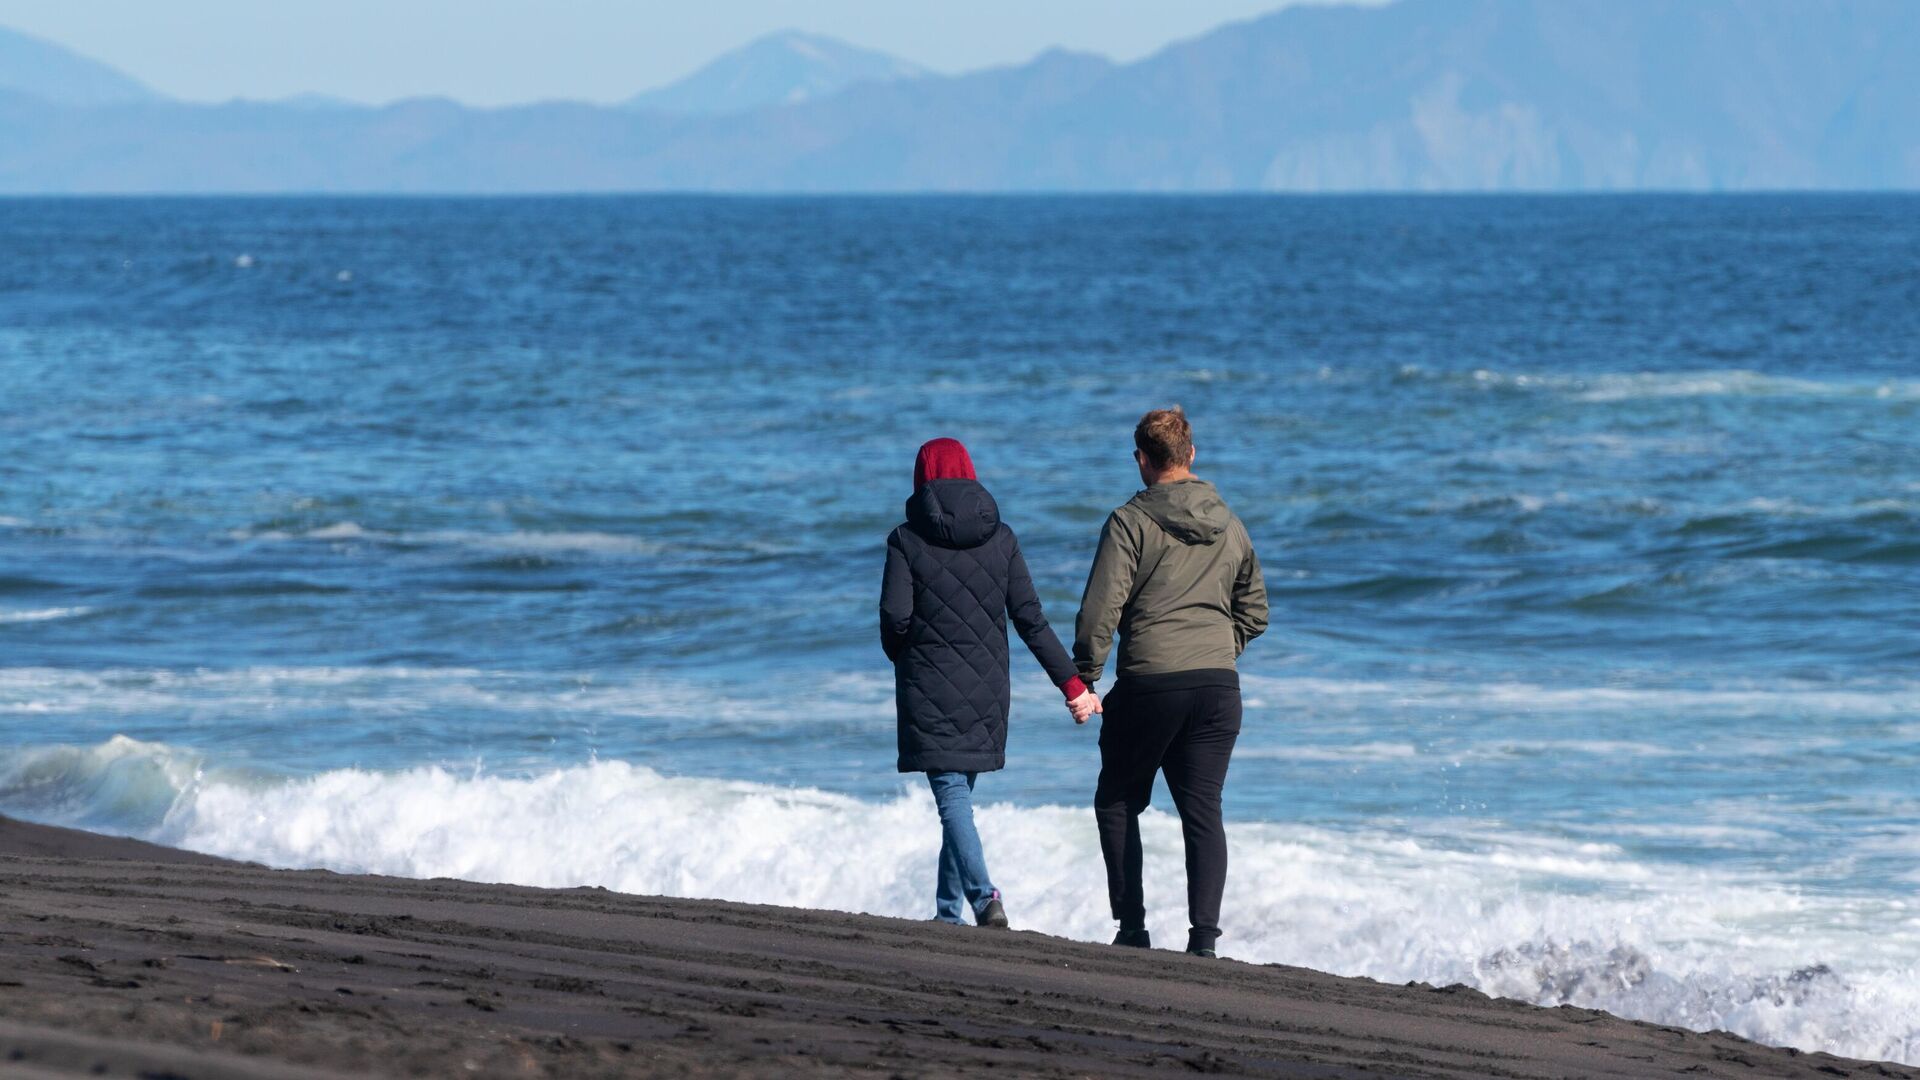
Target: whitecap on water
{"points": [[41, 614]]}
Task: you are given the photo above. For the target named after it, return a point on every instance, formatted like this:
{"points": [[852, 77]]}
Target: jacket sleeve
{"points": [[1023, 607], [1109, 584], [1249, 599], [896, 602]]}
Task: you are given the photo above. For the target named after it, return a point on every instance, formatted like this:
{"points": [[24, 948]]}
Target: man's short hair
{"points": [[1165, 437]]}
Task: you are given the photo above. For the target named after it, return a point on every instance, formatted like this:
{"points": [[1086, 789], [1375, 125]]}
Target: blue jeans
{"points": [[963, 866]]}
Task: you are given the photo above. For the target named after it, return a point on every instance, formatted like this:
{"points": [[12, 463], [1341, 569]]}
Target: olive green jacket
{"points": [[1177, 578]]}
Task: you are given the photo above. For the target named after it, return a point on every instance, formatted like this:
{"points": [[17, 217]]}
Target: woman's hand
{"points": [[1084, 706]]}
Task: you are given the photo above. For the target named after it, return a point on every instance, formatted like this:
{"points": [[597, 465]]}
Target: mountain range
{"points": [[779, 69], [1418, 95]]}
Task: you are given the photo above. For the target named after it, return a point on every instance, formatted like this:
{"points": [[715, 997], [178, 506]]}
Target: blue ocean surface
{"points": [[539, 540]]}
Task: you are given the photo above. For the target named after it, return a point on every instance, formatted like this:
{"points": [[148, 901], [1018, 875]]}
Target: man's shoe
{"points": [[1133, 939], [1201, 951], [993, 915]]}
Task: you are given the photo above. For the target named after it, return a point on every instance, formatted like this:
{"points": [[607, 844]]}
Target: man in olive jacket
{"points": [[1177, 579]]}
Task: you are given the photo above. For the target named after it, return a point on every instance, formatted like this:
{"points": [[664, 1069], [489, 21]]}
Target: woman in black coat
{"points": [[954, 574]]}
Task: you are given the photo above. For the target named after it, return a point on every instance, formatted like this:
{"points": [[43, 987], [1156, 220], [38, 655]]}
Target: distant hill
{"points": [[779, 69], [312, 102], [49, 72], [1420, 95]]}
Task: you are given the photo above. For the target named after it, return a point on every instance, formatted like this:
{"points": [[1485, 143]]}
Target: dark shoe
{"points": [[1201, 944], [1133, 939], [993, 915], [1201, 951]]}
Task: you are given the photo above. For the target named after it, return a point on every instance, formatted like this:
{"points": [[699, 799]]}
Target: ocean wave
{"points": [[868, 696], [1835, 531], [1539, 919], [1371, 751], [1731, 383], [1893, 698], [121, 785], [530, 542], [1612, 387], [253, 690]]}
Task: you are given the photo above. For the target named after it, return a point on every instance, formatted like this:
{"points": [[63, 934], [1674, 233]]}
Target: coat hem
{"points": [[953, 763]]}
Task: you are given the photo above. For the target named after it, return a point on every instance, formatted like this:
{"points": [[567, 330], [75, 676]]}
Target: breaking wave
{"points": [[1539, 919]]}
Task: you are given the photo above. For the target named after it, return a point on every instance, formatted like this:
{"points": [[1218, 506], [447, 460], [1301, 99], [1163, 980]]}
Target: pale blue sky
{"points": [[491, 52]]}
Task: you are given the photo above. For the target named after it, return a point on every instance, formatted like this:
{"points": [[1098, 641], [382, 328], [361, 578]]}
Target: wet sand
{"points": [[123, 959]]}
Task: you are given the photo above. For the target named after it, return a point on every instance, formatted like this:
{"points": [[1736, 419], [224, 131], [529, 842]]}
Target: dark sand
{"points": [[123, 959]]}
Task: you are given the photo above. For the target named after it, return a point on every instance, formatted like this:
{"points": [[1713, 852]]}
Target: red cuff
{"points": [[1073, 688]]}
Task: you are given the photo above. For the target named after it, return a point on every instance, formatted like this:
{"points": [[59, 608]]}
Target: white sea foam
{"points": [[866, 696], [1728, 835], [1373, 751], [237, 692], [252, 690], [590, 543], [514, 541], [1625, 387], [1537, 918], [1523, 503], [42, 614], [1895, 698], [1609, 387]]}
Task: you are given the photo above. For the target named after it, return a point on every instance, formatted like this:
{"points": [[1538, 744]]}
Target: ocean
{"points": [[539, 541]]}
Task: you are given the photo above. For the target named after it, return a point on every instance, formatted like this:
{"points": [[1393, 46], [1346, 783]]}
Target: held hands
{"points": [[1084, 706]]}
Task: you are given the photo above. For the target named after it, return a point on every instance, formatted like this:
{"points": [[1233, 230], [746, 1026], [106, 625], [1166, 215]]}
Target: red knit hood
{"points": [[942, 459]]}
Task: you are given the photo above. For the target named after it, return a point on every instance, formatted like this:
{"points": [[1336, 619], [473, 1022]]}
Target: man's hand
{"points": [[1084, 706]]}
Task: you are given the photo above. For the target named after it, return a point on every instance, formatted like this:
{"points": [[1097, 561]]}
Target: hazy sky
{"points": [[492, 52]]}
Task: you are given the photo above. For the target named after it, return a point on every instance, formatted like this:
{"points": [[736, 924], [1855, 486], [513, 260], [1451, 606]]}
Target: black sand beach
{"points": [[123, 959]]}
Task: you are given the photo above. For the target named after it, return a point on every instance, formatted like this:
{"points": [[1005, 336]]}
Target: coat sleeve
{"points": [[1249, 600], [1109, 585], [1023, 607], [896, 601]]}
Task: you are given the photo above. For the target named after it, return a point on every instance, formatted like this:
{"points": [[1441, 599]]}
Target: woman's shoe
{"points": [[1133, 939], [993, 915], [1202, 951]]}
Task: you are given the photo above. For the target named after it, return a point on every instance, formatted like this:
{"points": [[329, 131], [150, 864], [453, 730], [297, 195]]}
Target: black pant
{"points": [[1183, 725]]}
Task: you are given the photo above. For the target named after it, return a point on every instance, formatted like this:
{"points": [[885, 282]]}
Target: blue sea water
{"points": [[539, 540]]}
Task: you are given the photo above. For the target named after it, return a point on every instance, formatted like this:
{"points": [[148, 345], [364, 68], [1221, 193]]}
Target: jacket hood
{"points": [[953, 513], [942, 459], [1191, 511]]}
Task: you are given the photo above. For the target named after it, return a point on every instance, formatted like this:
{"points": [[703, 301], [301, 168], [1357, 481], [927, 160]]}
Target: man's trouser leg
{"points": [[1196, 769], [1134, 733]]}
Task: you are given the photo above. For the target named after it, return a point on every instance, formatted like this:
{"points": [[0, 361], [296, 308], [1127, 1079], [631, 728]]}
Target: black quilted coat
{"points": [[954, 574]]}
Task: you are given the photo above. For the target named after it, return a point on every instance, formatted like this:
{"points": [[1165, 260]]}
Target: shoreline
{"points": [[119, 958]]}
